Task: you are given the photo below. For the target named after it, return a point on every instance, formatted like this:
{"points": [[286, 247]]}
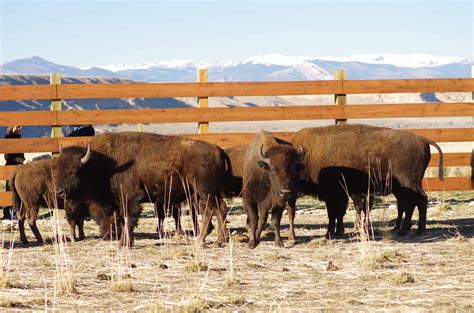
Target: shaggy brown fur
{"points": [[340, 159], [33, 186], [272, 182], [237, 158], [129, 168]]}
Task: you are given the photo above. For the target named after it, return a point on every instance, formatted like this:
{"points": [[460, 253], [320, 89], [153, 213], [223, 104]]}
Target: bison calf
{"points": [[32, 187]]}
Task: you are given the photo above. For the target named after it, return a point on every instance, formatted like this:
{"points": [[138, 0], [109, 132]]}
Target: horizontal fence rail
{"points": [[228, 89], [32, 145], [313, 112], [57, 91]]}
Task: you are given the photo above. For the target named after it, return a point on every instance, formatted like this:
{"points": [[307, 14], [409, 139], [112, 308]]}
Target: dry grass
{"points": [[434, 272]]}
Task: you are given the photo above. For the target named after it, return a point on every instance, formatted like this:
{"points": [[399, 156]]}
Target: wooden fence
{"points": [[205, 115]]}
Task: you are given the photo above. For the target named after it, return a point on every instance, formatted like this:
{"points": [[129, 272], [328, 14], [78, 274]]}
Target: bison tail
{"points": [[16, 201], [440, 164]]}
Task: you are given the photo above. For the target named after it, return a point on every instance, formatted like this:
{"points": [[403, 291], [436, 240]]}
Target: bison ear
{"points": [[299, 167], [263, 164]]}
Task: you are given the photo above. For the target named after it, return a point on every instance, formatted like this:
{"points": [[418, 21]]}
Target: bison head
{"points": [[283, 164], [77, 174]]}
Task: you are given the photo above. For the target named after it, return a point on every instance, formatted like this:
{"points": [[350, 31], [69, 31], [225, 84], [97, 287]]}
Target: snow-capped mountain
{"points": [[263, 68], [409, 60]]}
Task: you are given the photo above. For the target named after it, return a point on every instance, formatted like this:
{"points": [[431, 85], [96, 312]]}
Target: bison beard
{"points": [[126, 169], [348, 159], [271, 174]]}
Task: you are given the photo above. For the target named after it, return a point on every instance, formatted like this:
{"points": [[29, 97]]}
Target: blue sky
{"points": [[88, 33]]}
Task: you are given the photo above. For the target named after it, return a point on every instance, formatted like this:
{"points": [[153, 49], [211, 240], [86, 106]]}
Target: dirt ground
{"points": [[434, 272]]}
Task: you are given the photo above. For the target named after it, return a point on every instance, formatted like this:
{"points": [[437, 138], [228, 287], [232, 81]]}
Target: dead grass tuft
{"points": [[231, 281], [372, 259], [198, 305], [9, 304], [196, 266], [401, 278], [240, 238], [253, 266], [121, 285], [320, 242], [275, 256], [66, 285]]}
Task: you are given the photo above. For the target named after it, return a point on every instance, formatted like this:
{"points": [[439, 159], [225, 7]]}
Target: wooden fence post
{"points": [[472, 148], [340, 99], [203, 127], [56, 131]]}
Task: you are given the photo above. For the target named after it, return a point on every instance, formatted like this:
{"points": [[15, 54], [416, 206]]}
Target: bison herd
{"points": [[108, 180]]}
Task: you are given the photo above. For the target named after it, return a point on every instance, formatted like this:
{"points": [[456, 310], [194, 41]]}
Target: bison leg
{"points": [[176, 212], [194, 217], [221, 221], [80, 226], [160, 213], [72, 229], [35, 231], [252, 218], [408, 208], [262, 221], [291, 216], [422, 208], [276, 220], [21, 227], [206, 222], [398, 222], [332, 220]]}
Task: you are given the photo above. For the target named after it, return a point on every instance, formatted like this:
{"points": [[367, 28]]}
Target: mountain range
{"points": [[271, 67]]}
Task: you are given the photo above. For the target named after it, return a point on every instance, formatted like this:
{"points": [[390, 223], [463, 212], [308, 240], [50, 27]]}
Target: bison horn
{"points": [[86, 157], [301, 154], [264, 158]]}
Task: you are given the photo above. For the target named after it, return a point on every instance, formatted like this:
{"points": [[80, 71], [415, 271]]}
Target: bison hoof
{"points": [[279, 244], [252, 244], [419, 232], [329, 236], [401, 232]]}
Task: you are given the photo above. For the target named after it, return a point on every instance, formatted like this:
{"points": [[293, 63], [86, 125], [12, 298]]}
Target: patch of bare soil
{"points": [[378, 271]]}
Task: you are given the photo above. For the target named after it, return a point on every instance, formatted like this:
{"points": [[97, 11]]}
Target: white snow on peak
{"points": [[404, 60], [173, 64], [275, 59]]}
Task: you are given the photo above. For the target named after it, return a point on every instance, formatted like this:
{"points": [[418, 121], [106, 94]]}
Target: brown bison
{"points": [[122, 170], [344, 160], [32, 187], [271, 174], [236, 156], [235, 184]]}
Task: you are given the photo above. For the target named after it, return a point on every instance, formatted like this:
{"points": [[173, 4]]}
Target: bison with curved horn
{"points": [[122, 170], [346, 159], [271, 174]]}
